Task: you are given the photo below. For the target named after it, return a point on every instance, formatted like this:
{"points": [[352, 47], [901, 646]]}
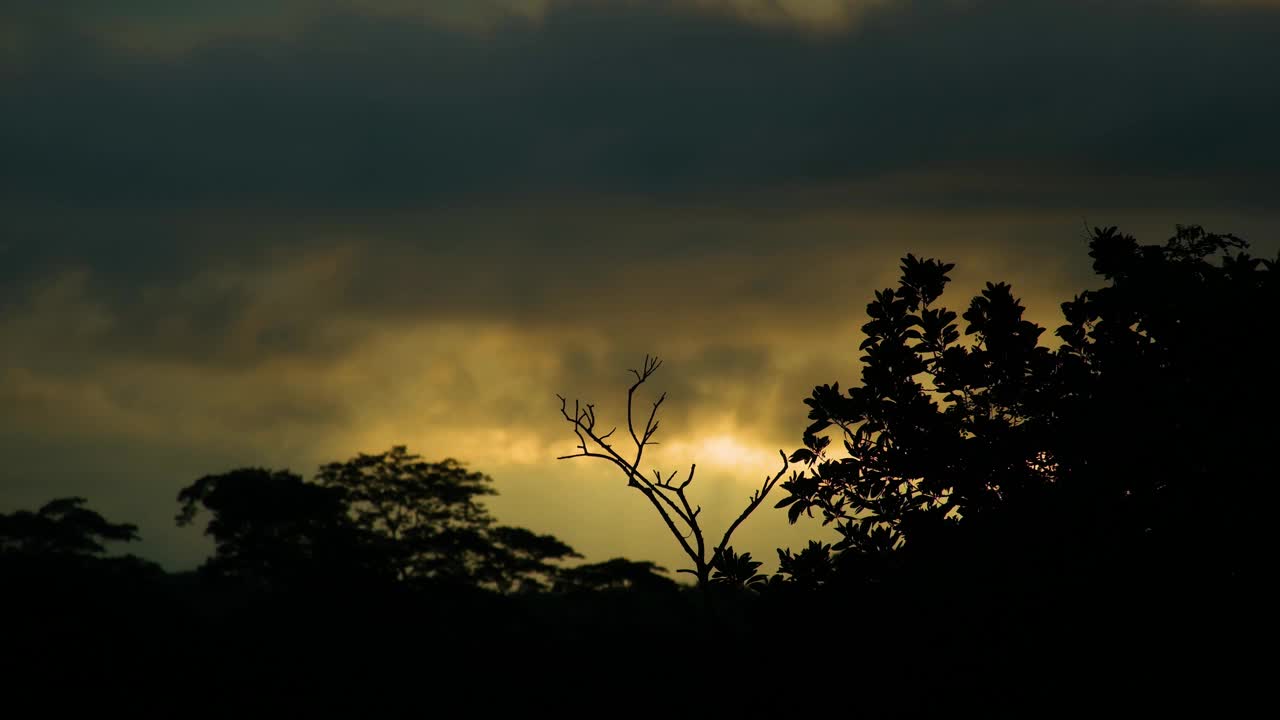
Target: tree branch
{"points": [[756, 498], [670, 500]]}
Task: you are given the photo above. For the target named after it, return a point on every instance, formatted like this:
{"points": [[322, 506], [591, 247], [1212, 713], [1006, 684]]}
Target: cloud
{"points": [[148, 26], [463, 324], [155, 25], [368, 111]]}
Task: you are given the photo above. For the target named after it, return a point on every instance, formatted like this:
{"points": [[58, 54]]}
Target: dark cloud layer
{"points": [[360, 110]]}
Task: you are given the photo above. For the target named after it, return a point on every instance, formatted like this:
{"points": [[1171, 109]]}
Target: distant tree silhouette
{"points": [[388, 517], [56, 556], [616, 574], [668, 497], [61, 527], [274, 531], [1144, 434], [425, 516], [518, 559], [427, 519]]}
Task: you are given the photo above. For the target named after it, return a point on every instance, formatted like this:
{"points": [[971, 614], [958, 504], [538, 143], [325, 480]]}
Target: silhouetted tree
{"points": [[427, 519], [54, 561], [1147, 428], [61, 527], [519, 559], [383, 517], [273, 530], [667, 496], [426, 516], [616, 574]]}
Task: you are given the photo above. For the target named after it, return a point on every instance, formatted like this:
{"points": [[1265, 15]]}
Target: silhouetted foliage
{"points": [[810, 568], [61, 527], [426, 516], [1142, 431], [61, 548], [736, 571], [518, 559], [1041, 521], [384, 517], [61, 594], [273, 530], [616, 574], [427, 520]]}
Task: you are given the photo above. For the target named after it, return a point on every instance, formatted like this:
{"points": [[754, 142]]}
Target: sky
{"points": [[278, 233]]}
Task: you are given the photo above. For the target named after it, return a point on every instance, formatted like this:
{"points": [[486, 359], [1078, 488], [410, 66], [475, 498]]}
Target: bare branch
{"points": [[689, 480], [669, 499], [756, 498], [658, 490], [684, 543]]}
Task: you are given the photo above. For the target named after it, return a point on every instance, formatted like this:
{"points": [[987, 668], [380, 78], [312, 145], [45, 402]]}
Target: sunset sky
{"points": [[280, 232]]}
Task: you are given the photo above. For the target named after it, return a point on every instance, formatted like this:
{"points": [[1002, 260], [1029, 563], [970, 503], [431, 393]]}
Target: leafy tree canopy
{"points": [[61, 527], [59, 552], [272, 527], [1146, 427], [389, 515], [617, 574]]}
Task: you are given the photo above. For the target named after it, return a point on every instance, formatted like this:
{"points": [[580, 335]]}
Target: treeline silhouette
{"points": [[1019, 527]]}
